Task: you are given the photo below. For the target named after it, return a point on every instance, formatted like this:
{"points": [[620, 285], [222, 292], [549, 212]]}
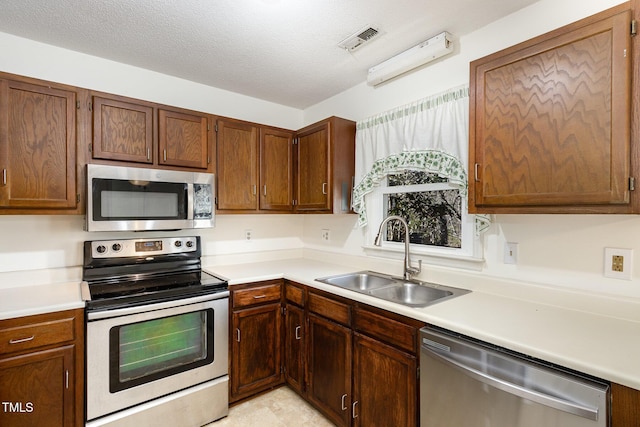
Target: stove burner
{"points": [[137, 278]]}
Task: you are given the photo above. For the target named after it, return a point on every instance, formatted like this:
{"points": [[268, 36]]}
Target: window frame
{"points": [[471, 250]]}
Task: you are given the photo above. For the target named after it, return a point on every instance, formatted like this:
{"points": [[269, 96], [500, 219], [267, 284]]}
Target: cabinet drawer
{"points": [[330, 308], [294, 294], [37, 334], [257, 295], [386, 329]]}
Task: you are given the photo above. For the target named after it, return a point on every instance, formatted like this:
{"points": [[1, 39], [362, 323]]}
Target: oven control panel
{"points": [[142, 247]]}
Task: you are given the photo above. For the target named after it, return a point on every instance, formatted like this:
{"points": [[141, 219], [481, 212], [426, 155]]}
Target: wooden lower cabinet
{"points": [[329, 369], [42, 370], [256, 339], [384, 385], [294, 333], [625, 406], [361, 362]]}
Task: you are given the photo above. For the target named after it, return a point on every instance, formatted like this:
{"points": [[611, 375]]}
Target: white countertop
{"points": [[44, 298], [596, 344]]}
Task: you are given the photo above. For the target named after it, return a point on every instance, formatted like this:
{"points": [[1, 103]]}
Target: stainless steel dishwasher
{"points": [[466, 383]]}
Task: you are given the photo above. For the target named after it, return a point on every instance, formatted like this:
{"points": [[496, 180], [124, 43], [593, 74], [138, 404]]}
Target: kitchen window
{"points": [[435, 210]]}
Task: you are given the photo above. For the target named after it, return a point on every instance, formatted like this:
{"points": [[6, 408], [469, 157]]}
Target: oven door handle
{"points": [[105, 314]]}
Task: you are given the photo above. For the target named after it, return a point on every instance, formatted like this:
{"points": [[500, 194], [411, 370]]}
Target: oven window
{"points": [[146, 351], [127, 200]]}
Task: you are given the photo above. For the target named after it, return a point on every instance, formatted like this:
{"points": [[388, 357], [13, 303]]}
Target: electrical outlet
{"points": [[510, 253], [325, 235], [247, 235], [618, 263]]}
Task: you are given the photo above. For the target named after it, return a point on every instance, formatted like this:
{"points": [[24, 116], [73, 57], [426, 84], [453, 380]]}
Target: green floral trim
{"points": [[433, 161]]}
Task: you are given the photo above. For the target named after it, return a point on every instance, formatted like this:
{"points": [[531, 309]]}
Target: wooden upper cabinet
{"points": [[122, 130], [550, 121], [313, 174], [237, 165], [133, 131], [37, 146], [276, 169], [183, 139], [325, 166]]}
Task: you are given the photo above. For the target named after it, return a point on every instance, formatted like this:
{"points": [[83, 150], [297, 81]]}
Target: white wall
{"points": [[28, 58], [562, 250]]}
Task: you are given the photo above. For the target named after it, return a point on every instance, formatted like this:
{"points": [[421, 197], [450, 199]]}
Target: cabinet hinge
{"points": [[632, 183], [284, 310], [90, 106], [208, 127], [77, 197], [634, 27], [77, 105], [216, 127], [90, 148]]}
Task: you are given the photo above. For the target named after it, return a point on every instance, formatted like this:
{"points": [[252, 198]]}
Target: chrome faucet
{"points": [[408, 269]]}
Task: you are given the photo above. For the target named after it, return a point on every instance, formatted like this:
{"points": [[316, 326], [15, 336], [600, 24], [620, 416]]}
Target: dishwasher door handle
{"points": [[535, 396]]}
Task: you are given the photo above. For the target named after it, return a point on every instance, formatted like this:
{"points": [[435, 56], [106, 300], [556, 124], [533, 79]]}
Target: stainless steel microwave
{"points": [[139, 199]]}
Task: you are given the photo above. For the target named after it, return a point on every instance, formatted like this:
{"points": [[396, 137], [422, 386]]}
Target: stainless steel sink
{"points": [[360, 281], [395, 289]]}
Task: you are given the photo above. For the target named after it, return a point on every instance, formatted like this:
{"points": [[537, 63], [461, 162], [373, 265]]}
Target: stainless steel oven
{"points": [[157, 334]]}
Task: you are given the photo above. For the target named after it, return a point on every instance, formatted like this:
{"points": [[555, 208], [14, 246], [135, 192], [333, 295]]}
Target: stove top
{"points": [[125, 273]]}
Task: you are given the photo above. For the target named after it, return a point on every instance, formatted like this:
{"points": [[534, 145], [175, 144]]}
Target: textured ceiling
{"points": [[284, 51]]}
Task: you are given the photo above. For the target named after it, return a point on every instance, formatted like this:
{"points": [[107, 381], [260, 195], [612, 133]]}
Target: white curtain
{"points": [[431, 135]]}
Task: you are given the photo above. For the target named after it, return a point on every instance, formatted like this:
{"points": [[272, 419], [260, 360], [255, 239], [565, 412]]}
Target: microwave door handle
{"points": [[190, 199], [507, 386]]}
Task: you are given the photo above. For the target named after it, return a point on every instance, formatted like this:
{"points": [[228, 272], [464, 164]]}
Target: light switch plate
{"points": [[510, 253]]}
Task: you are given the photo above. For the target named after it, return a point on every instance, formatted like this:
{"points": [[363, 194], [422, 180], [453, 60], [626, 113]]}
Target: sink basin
{"points": [[360, 281], [410, 293]]}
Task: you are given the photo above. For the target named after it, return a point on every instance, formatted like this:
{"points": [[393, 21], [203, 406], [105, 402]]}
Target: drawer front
{"points": [[330, 308], [294, 294], [386, 329], [33, 335], [256, 295]]}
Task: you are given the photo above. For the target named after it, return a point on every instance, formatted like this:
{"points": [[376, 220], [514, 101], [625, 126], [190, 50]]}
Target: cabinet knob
{"points": [[238, 334], [298, 332], [4, 177], [344, 396], [353, 410], [324, 188]]}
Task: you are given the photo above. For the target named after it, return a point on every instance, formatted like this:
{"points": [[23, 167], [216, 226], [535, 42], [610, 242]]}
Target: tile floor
{"points": [[281, 407]]}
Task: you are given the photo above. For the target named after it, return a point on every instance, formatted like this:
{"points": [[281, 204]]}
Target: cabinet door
{"points": [[550, 120], [37, 389], [37, 146], [329, 369], [183, 139], [237, 168], [294, 347], [256, 362], [625, 406], [384, 385], [122, 130], [276, 170], [313, 169]]}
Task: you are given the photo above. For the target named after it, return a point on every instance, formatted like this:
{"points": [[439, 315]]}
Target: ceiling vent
{"points": [[356, 40]]}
